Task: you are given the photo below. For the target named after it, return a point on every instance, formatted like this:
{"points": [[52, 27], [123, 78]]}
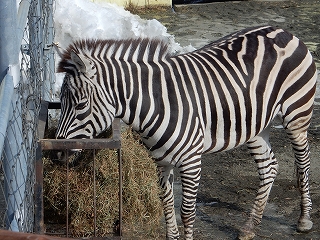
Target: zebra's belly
{"points": [[219, 145], [219, 139]]}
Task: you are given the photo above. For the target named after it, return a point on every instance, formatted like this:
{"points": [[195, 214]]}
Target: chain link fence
{"points": [[33, 82]]}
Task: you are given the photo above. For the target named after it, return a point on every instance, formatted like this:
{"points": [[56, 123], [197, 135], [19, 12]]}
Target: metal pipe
{"points": [[9, 54], [22, 20], [6, 91]]}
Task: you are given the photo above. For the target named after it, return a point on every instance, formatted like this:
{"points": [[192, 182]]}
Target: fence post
{"points": [[22, 19], [48, 90]]}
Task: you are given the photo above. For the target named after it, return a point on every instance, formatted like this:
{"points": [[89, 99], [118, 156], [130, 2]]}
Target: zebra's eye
{"points": [[81, 106]]}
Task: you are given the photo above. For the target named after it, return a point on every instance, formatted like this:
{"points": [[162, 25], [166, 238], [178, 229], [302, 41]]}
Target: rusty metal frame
{"points": [[64, 144], [10, 235]]}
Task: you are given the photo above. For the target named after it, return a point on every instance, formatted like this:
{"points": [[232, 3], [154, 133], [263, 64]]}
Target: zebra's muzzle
{"points": [[64, 156]]}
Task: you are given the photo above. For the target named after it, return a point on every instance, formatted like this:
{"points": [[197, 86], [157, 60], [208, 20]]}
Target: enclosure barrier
{"points": [[66, 144], [27, 77]]}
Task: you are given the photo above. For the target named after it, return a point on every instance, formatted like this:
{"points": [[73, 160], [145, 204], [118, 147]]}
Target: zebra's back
{"points": [[231, 89]]}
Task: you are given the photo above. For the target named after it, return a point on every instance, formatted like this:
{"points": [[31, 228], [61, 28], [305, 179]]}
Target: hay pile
{"points": [[142, 209]]}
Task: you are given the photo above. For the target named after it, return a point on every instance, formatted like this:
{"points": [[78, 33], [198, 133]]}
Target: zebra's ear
{"points": [[81, 64], [57, 48]]}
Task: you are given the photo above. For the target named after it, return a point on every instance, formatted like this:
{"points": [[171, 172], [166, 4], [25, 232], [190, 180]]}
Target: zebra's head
{"points": [[86, 105]]}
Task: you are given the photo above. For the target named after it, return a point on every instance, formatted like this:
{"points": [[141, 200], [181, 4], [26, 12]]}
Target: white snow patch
{"points": [[82, 19]]}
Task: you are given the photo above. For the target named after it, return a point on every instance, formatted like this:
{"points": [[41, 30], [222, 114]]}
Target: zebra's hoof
{"points": [[304, 225], [246, 235]]}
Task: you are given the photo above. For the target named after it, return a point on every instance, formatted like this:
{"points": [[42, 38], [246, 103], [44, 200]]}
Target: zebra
{"points": [[184, 105]]}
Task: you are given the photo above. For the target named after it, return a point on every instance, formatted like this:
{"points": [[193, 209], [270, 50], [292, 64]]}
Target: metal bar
{"points": [[38, 187], [9, 235], [94, 195], [58, 144], [120, 191], [116, 130], [43, 118], [54, 105], [67, 197], [96, 143], [38, 193]]}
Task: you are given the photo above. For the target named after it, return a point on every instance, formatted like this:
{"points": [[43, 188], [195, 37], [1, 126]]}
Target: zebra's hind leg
{"points": [[302, 154], [166, 184], [267, 164]]}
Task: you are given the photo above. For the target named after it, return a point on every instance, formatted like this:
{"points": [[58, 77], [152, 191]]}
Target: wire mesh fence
{"points": [[35, 82]]}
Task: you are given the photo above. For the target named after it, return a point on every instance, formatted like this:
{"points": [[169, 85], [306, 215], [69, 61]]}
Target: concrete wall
{"points": [[138, 3]]}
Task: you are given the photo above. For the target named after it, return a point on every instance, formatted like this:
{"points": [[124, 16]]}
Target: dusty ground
{"points": [[229, 180]]}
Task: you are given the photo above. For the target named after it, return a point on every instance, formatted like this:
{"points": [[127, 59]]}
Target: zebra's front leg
{"points": [[166, 183], [267, 164], [190, 176]]}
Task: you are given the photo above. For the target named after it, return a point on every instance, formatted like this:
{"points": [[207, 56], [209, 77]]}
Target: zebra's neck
{"points": [[136, 80]]}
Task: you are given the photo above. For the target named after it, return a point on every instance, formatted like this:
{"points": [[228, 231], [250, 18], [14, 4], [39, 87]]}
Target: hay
{"points": [[142, 209]]}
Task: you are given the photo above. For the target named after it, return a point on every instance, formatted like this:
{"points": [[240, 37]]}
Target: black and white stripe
{"points": [[210, 100]]}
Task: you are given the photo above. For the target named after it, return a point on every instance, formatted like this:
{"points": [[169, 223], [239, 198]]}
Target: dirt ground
{"points": [[229, 180]]}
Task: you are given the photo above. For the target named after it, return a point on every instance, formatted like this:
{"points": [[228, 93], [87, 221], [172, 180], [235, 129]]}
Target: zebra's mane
{"points": [[88, 47]]}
